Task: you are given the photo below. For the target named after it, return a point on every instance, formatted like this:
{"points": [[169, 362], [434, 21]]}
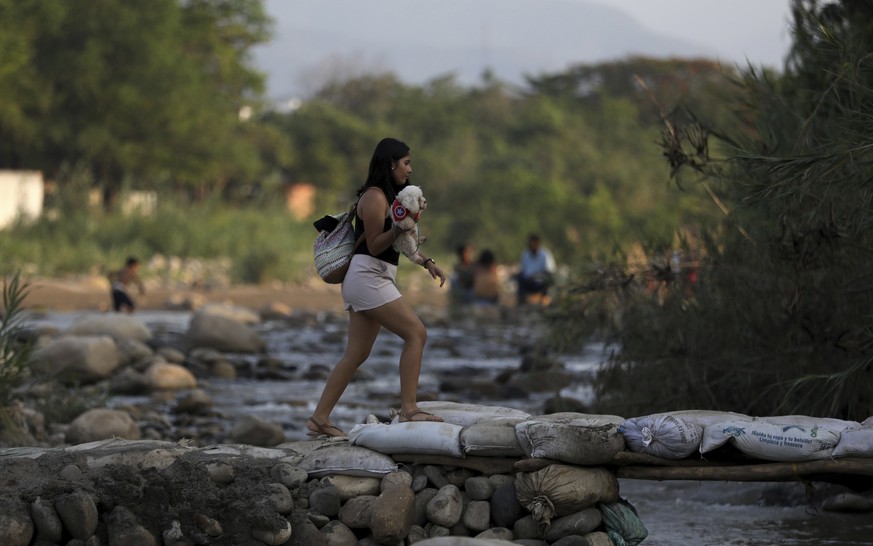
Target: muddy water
{"points": [[461, 362]]}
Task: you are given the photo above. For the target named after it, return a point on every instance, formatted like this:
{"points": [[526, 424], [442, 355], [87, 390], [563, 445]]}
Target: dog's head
{"points": [[409, 202]]}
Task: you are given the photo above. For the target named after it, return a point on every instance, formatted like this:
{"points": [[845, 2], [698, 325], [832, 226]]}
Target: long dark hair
{"points": [[387, 151]]}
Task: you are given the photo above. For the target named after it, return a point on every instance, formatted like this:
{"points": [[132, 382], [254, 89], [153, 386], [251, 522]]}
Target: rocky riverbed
{"points": [[123, 436]]}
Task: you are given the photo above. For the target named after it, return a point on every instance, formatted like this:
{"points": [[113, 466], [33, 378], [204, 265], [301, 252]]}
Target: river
{"points": [[674, 512]]}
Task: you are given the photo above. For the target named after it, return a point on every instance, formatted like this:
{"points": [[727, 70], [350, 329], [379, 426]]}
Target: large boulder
{"points": [[223, 334], [102, 424], [77, 359], [117, 325]]}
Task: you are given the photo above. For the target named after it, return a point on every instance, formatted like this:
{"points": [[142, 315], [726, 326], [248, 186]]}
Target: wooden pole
{"points": [[765, 472]]}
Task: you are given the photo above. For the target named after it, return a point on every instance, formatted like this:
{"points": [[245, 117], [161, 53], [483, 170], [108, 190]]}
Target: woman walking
{"points": [[370, 293]]}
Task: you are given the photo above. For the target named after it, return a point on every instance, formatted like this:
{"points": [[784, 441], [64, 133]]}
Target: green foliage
{"points": [[261, 243], [134, 92], [14, 351], [779, 321]]}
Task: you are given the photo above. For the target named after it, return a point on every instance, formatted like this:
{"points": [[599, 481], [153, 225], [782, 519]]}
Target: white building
{"points": [[21, 194]]}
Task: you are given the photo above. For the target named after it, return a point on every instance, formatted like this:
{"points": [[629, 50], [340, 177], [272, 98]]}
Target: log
{"points": [[485, 465], [767, 472]]}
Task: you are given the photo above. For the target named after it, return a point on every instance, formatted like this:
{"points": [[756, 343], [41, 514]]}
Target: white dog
{"points": [[405, 212]]}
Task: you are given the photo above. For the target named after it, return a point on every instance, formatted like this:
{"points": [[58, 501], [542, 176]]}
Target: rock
{"points": [[417, 534], [233, 312], [165, 376], [102, 424], [350, 487], [391, 513], [211, 527], [46, 521], [526, 527], [337, 534], [577, 540], [496, 534], [395, 479], [580, 523], [355, 513], [125, 529], [133, 351], [276, 311], [16, 526], [221, 472], [174, 535], [196, 402], [223, 334], [290, 476], [419, 482], [445, 508], [505, 508], [77, 360], [273, 536], [848, 502], [78, 512], [129, 381], [305, 532], [478, 488], [171, 355], [116, 325], [325, 500], [280, 498], [477, 516], [422, 498], [251, 430], [435, 476], [598, 538]]}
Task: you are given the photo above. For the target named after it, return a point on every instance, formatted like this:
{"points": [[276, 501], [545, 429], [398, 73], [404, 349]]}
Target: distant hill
{"points": [[422, 39]]}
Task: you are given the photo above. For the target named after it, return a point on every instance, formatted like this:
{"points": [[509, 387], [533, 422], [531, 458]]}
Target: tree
{"points": [[780, 321], [137, 92]]}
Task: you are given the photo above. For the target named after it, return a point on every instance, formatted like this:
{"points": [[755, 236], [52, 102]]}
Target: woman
{"points": [[370, 293]]}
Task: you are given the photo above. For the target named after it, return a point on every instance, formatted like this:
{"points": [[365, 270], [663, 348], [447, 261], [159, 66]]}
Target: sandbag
{"points": [[559, 490], [492, 438], [704, 418], [418, 437], [773, 441], [348, 460], [661, 435], [855, 442], [586, 440], [623, 525], [469, 414]]}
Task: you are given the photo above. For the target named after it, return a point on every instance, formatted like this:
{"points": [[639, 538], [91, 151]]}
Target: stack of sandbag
{"points": [[856, 440], [662, 435], [418, 437], [574, 438], [561, 490], [786, 438], [325, 458]]}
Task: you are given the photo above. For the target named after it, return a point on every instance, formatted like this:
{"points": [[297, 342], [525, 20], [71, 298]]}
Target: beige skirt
{"points": [[369, 283]]}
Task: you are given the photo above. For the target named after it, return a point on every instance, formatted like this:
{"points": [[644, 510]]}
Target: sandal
{"points": [[325, 430], [410, 417]]}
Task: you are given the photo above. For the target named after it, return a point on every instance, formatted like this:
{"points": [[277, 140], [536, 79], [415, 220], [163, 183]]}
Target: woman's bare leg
{"points": [[362, 334], [399, 318]]}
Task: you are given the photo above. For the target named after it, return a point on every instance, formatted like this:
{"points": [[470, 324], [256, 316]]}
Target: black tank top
{"points": [[388, 255]]}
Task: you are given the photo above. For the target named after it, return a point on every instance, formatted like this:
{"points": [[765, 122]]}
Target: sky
{"points": [[316, 40], [757, 30]]}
